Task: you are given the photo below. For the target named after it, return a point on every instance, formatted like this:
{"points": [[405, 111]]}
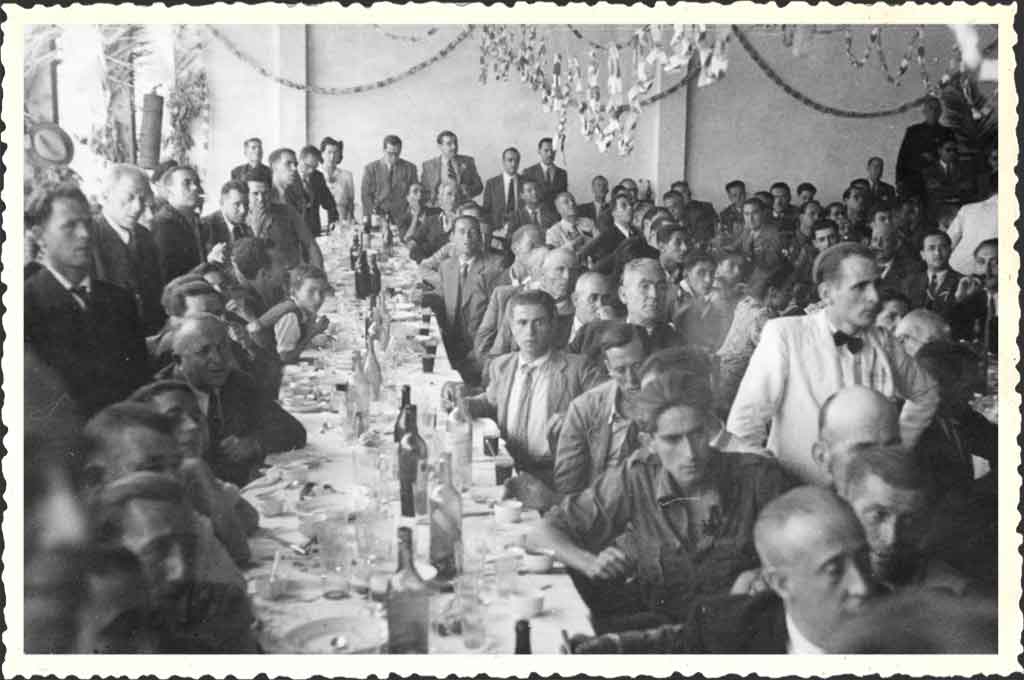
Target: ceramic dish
{"points": [[325, 636]]}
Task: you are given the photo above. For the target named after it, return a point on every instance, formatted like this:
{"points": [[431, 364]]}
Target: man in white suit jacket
{"points": [[801, 361]]}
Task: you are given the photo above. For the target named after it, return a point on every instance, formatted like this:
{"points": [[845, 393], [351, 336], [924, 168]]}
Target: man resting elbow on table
{"points": [[529, 392], [688, 508], [245, 425], [295, 320]]}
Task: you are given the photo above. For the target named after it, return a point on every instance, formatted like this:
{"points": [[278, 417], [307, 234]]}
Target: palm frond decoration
{"points": [[188, 103]]}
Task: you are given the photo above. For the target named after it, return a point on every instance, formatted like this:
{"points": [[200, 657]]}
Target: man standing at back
{"points": [[272, 217], [386, 181], [450, 166], [801, 361], [176, 225], [918, 149], [123, 251], [253, 159], [551, 180], [502, 194]]}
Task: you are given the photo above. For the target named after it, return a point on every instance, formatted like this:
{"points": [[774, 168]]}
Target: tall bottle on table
{"points": [[445, 522], [360, 393], [399, 431], [412, 467], [459, 442], [371, 367], [408, 603], [363, 276]]}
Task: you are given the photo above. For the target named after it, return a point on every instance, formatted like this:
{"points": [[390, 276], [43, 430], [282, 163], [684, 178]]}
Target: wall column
{"points": [[290, 52], [671, 136]]}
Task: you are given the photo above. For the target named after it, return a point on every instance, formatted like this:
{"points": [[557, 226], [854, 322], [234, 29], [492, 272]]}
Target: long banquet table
{"points": [[332, 456]]}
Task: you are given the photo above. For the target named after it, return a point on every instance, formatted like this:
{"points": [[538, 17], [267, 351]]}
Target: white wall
{"points": [[747, 127], [448, 95], [743, 126]]}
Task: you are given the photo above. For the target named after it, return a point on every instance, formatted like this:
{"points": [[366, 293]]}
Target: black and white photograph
{"points": [[468, 332]]}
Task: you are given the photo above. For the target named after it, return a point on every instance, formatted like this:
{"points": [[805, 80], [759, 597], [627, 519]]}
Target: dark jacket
{"points": [[239, 172], [743, 624], [177, 240], [547, 191], [134, 267], [100, 353], [941, 301], [318, 196], [214, 229], [245, 413]]}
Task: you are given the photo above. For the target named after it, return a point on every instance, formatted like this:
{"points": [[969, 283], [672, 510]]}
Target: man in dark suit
{"points": [[317, 195], [86, 329], [974, 315], [503, 194], [935, 287], [226, 225], [814, 554], [613, 233], [253, 159], [245, 425], [917, 151], [600, 209], [386, 181], [532, 210], [176, 226], [882, 193], [892, 268], [947, 181], [453, 166], [699, 216], [551, 180], [432, 232], [467, 278], [123, 251]]}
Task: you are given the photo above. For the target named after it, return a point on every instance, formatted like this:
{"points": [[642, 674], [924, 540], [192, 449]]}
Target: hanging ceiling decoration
{"points": [[607, 117]]}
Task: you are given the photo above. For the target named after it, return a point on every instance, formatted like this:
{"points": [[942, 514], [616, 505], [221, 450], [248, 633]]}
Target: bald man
{"points": [[919, 327], [853, 418], [556, 276], [816, 561], [123, 251], [245, 424]]}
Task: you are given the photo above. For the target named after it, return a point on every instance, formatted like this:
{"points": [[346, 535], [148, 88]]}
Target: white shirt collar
{"points": [[539, 362], [67, 285], [508, 178], [798, 644], [623, 231], [123, 233]]}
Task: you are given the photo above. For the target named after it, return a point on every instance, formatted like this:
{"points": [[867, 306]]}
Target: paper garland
{"points": [[406, 38], [336, 91], [606, 118]]}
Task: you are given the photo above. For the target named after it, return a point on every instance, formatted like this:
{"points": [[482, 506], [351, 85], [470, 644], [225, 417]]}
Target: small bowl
{"points": [[526, 604], [270, 589], [538, 563], [508, 512]]}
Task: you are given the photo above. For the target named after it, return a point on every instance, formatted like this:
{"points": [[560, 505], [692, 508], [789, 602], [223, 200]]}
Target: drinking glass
{"points": [[471, 611], [333, 537], [505, 576]]}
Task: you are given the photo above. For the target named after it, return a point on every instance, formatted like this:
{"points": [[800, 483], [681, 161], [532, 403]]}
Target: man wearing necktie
{"points": [[933, 288], [386, 181], [87, 330], [450, 166], [467, 278], [532, 210], [551, 180], [801, 361], [501, 193], [530, 389], [123, 251]]}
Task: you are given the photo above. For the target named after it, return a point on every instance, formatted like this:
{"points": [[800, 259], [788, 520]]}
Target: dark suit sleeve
{"points": [[278, 430], [366, 189], [325, 199], [488, 329], [572, 455], [473, 183]]}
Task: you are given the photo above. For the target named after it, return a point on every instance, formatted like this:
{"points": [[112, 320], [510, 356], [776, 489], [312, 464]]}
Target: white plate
{"points": [[315, 637]]}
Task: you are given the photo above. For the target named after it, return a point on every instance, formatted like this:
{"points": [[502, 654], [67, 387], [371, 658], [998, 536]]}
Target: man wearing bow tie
{"points": [[801, 361]]}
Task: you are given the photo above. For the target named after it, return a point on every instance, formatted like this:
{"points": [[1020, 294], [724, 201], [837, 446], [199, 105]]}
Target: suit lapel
{"points": [[558, 386], [604, 434], [505, 389], [451, 288]]}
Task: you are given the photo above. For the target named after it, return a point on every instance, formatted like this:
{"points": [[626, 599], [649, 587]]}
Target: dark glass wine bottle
{"points": [[523, 637], [363, 276], [411, 450], [375, 277], [408, 603]]}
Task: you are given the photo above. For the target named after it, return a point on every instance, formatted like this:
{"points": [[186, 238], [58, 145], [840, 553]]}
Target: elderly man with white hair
{"points": [[123, 251], [919, 327]]}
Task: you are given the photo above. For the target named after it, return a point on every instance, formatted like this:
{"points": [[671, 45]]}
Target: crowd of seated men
{"points": [[747, 429]]}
